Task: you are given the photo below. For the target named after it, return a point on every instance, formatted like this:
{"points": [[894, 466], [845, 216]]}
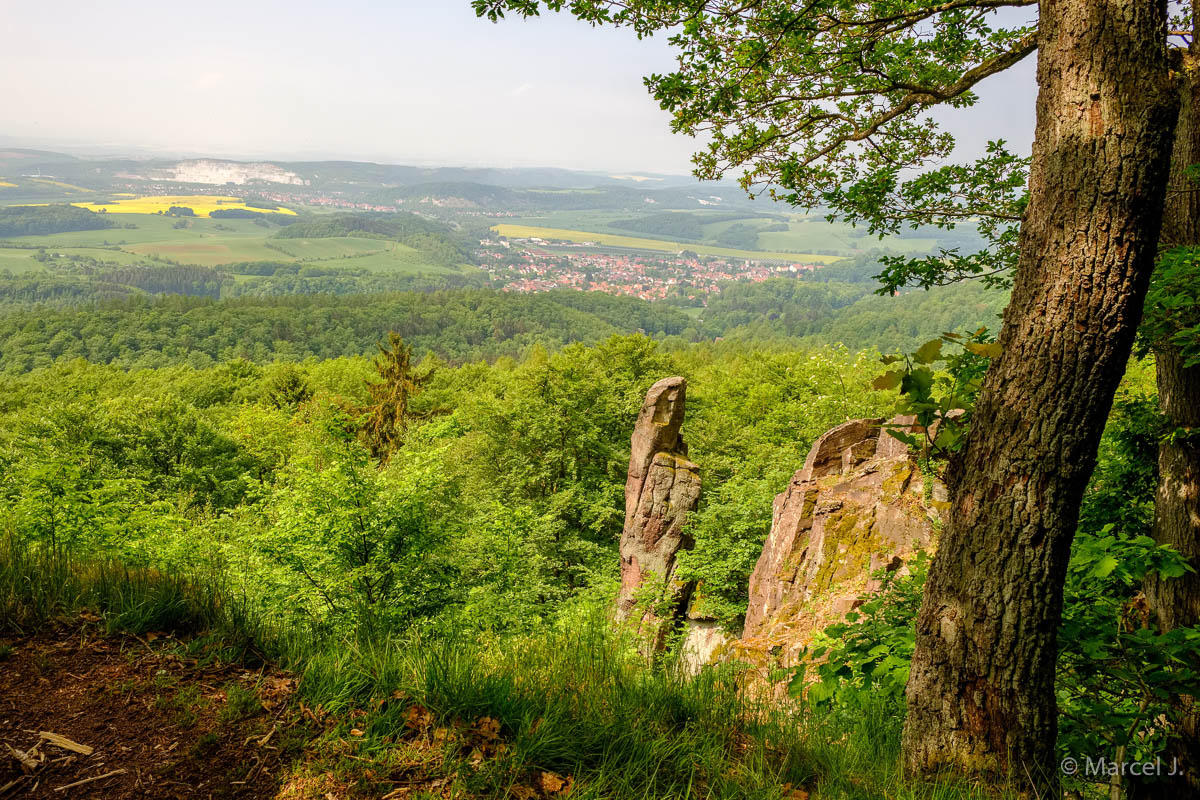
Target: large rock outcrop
{"points": [[859, 504], [661, 489]]}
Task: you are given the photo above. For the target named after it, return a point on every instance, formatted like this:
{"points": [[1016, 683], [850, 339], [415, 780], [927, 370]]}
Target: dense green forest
{"points": [[460, 325], [457, 324], [83, 284], [389, 225], [431, 238], [504, 498], [36, 221], [672, 225]]}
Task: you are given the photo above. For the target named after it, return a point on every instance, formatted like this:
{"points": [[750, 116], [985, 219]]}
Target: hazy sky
{"points": [[400, 81]]}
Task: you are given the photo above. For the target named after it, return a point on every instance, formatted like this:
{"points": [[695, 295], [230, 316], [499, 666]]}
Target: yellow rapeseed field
{"points": [[201, 204]]}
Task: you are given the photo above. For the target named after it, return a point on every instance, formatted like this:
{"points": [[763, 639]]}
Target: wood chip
{"points": [[89, 780], [65, 743], [27, 763]]}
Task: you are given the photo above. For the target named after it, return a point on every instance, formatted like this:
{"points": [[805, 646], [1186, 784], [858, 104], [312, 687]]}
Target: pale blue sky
{"points": [[405, 81]]}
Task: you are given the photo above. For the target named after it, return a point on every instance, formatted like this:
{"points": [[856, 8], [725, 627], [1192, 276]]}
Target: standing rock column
{"points": [[661, 488]]}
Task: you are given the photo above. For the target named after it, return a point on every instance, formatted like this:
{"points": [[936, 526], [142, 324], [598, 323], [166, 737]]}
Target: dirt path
{"points": [[139, 720]]}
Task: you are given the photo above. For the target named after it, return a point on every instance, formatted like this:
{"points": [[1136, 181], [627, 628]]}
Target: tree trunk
{"points": [[1176, 602], [981, 692]]}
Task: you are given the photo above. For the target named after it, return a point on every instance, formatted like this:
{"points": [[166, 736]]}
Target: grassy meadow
{"points": [[202, 241], [806, 234], [660, 245]]}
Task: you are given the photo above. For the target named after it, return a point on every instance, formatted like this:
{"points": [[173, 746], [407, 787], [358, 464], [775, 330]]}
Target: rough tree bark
{"points": [[981, 693], [1176, 602]]}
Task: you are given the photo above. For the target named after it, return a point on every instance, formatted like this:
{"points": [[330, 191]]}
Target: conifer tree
{"points": [[388, 415]]}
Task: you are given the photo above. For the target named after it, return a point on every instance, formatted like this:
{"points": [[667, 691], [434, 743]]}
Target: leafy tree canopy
{"points": [[822, 103]]}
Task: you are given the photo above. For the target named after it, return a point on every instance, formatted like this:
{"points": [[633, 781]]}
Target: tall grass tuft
{"points": [[39, 584], [576, 703]]}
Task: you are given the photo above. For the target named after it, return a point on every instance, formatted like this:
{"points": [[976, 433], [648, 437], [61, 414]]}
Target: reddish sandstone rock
{"points": [[857, 506], [662, 487]]}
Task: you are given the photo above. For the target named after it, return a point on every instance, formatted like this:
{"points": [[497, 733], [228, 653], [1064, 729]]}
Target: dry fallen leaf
{"points": [[551, 783], [355, 732], [488, 728], [418, 719], [523, 792], [281, 684]]}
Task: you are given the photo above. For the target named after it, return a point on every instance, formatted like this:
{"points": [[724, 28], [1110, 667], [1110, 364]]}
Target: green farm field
{"points": [[147, 228], [209, 252], [396, 259], [660, 245], [806, 233], [340, 247], [216, 242]]}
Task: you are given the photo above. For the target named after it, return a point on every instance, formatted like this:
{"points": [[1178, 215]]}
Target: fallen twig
{"points": [[4, 789], [89, 780]]}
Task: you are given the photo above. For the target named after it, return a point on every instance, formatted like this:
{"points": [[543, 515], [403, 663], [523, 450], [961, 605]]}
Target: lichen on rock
{"points": [[857, 506]]}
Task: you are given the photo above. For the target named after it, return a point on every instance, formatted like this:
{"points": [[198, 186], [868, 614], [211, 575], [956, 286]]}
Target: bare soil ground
{"points": [[139, 720], [84, 714]]}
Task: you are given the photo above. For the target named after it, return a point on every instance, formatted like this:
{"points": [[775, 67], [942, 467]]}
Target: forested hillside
{"points": [[520, 463], [31, 221], [459, 325]]}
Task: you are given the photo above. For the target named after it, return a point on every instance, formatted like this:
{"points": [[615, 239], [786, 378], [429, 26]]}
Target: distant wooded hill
{"points": [[465, 324], [42, 220]]}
